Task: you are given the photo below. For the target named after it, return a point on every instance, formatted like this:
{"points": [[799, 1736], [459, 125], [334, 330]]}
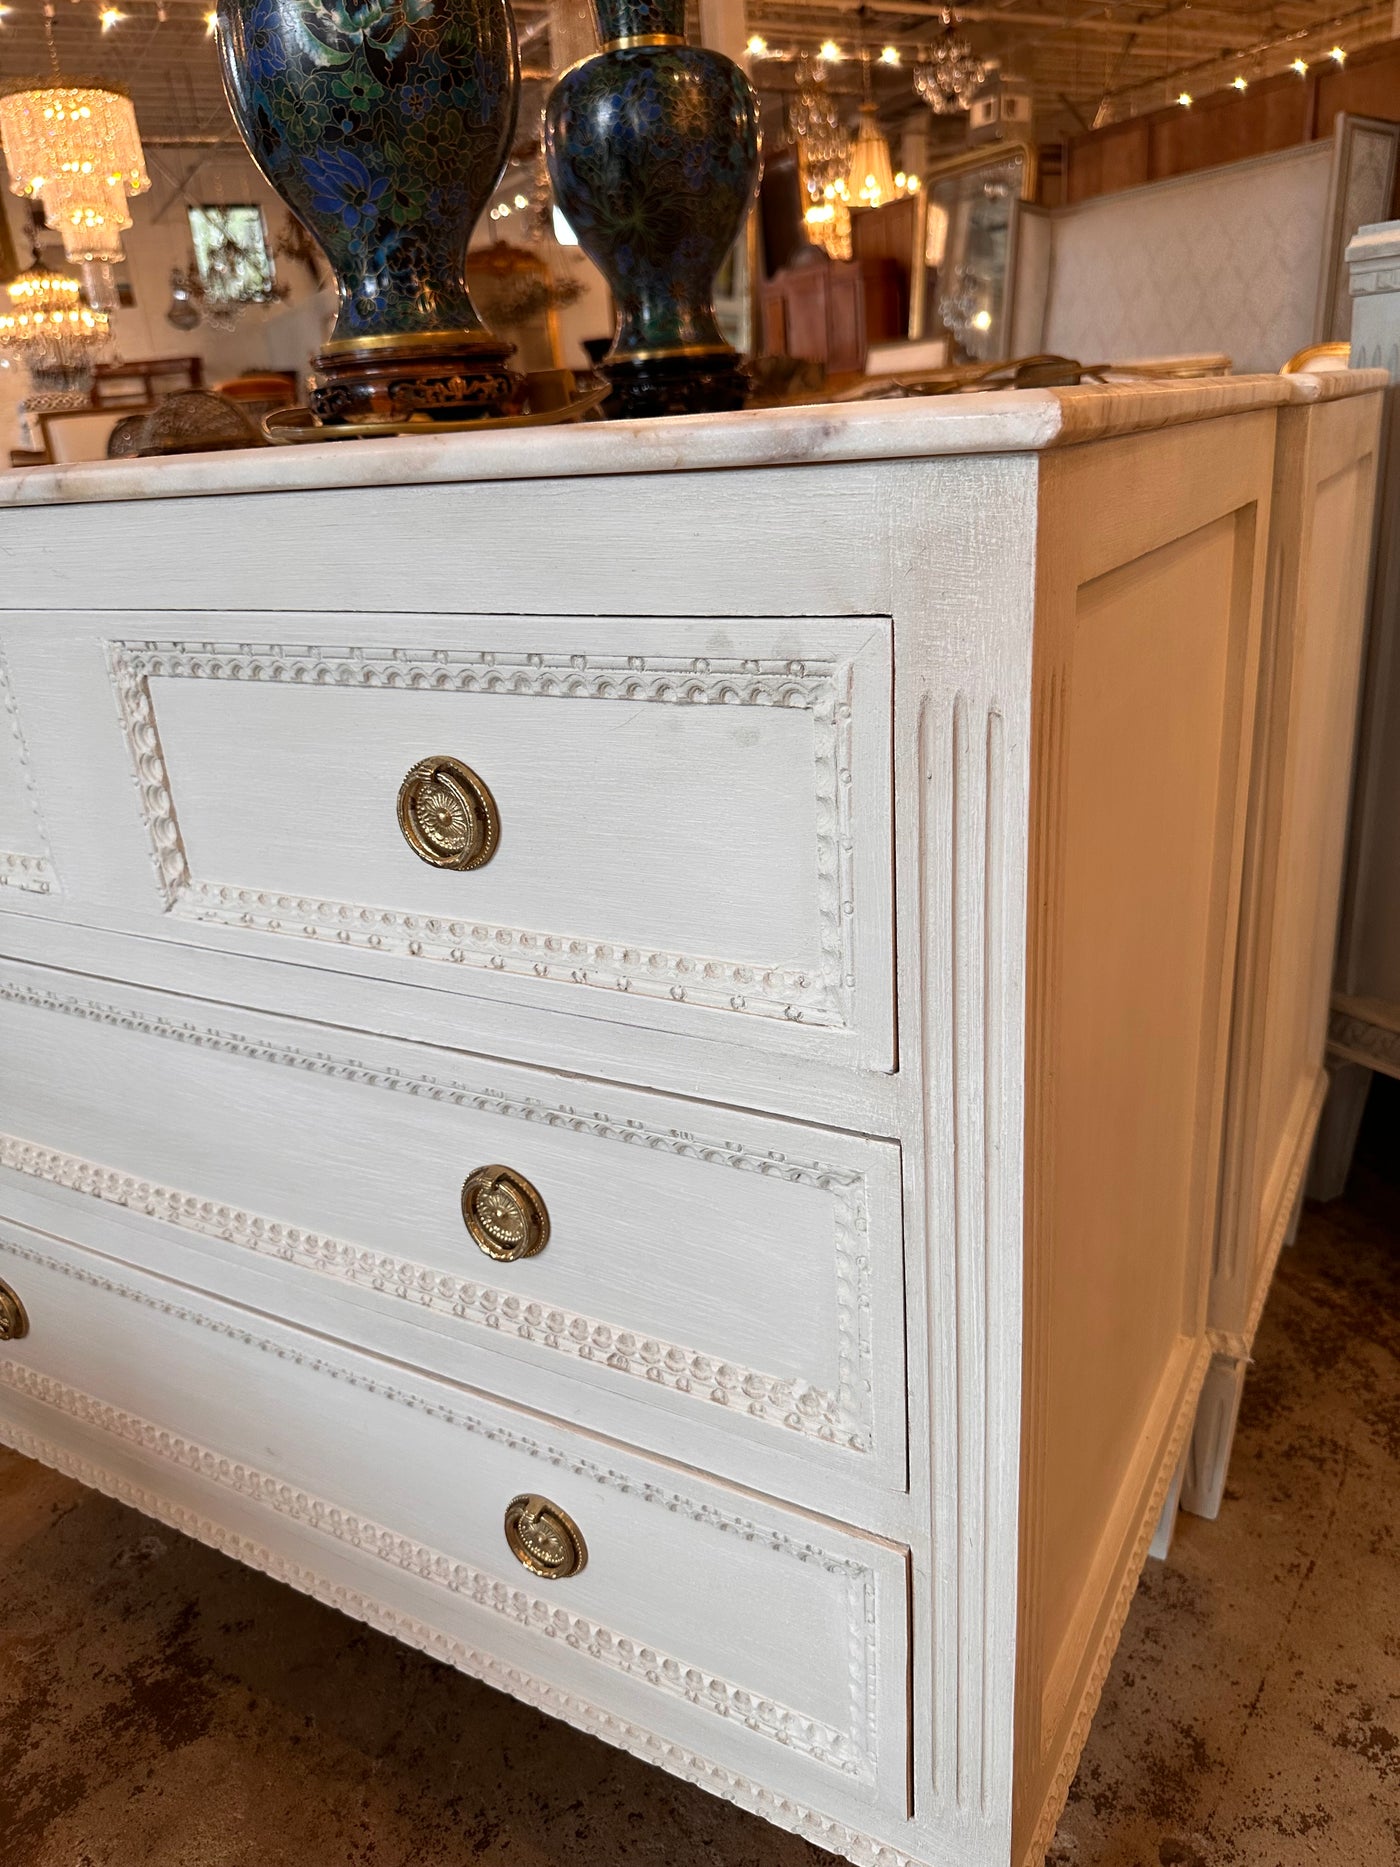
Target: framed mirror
{"points": [[962, 269]]}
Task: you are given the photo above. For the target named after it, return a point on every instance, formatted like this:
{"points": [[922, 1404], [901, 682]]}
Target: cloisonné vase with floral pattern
{"points": [[385, 126], [653, 150]]}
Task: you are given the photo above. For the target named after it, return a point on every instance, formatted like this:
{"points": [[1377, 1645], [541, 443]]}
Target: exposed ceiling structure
{"points": [[1086, 63]]}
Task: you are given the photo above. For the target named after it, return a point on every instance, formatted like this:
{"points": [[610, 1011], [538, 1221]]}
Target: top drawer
{"points": [[694, 816]]}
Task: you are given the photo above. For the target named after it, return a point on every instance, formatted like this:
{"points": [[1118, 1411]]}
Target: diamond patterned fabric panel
{"points": [[1228, 260]]}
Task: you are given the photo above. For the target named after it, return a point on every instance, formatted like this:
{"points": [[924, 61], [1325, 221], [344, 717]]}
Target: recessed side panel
{"points": [[1146, 666]]}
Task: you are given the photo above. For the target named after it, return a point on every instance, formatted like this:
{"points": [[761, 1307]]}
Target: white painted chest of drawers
{"points": [[848, 985]]}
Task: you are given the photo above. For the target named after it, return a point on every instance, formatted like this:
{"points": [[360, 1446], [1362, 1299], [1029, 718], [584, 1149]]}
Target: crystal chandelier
{"points": [[947, 78], [76, 150], [50, 329], [73, 146], [823, 155]]}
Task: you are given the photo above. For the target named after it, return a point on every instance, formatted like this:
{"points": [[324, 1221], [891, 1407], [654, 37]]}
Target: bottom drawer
{"points": [[754, 1635]]}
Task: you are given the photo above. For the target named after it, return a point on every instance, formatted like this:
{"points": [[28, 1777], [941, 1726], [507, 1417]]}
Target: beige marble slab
{"points": [[1000, 421]]}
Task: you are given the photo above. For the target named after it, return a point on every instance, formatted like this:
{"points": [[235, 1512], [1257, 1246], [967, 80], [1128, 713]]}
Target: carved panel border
{"points": [[1357, 1039], [841, 1418], [852, 1753], [30, 869], [822, 688]]}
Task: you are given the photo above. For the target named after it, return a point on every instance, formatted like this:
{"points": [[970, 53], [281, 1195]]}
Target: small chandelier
{"points": [[50, 329], [73, 146], [947, 78], [871, 177]]}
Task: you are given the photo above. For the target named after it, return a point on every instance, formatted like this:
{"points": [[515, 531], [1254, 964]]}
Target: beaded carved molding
{"points": [[852, 1752], [842, 1417], [29, 868], [820, 996]]}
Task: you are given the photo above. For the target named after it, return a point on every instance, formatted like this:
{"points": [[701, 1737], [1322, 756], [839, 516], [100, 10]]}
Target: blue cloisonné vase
{"points": [[653, 150], [385, 126]]}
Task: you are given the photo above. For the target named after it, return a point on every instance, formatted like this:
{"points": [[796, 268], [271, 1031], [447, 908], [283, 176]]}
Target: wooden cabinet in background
{"points": [[832, 310]]}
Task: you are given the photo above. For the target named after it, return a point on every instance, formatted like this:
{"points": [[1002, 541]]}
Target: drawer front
{"points": [[692, 819], [770, 1641], [741, 1274]]}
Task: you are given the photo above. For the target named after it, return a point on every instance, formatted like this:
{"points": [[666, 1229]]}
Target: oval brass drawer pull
{"points": [[14, 1323], [504, 1214], [544, 1537], [447, 815]]}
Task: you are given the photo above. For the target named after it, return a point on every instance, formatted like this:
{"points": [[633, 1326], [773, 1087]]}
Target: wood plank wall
{"points": [[1227, 126]]}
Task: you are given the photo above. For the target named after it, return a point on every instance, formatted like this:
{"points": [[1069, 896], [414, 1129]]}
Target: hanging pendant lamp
{"points": [[870, 179]]}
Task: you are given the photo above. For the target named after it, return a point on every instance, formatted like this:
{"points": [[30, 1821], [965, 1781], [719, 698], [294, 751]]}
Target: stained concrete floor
{"points": [[162, 1707]]}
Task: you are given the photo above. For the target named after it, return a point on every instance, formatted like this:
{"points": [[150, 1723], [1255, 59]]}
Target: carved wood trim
{"points": [[853, 1753], [843, 1418], [29, 869], [1357, 1039], [821, 688]]}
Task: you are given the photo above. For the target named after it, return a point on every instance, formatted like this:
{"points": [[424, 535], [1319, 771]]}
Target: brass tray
{"points": [[286, 426]]}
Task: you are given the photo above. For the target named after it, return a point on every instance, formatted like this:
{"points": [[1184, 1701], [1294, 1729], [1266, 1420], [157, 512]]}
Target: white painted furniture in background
{"points": [[852, 982], [1319, 561], [1364, 1034]]}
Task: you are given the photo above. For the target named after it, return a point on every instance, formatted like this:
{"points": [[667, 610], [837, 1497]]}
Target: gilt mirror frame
{"points": [[966, 162]]}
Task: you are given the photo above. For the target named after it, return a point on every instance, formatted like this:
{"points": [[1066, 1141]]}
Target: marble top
{"points": [[1000, 421]]}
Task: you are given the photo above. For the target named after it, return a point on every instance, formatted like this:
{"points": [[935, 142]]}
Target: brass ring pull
{"points": [[544, 1538], [14, 1323], [447, 815], [504, 1214]]}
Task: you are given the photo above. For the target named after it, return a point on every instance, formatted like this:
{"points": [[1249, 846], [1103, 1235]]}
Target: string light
{"points": [[110, 16], [1240, 84], [757, 46], [830, 53], [1300, 65], [1337, 55], [211, 21], [1185, 100], [890, 55]]}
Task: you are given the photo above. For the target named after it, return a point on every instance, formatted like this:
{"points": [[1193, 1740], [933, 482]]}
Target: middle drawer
{"points": [[725, 1287]]}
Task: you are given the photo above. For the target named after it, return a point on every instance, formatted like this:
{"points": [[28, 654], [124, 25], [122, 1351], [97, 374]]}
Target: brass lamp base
{"points": [[437, 375]]}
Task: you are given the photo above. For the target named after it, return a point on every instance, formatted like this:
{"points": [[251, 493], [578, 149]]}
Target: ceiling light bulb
{"points": [[110, 16], [1239, 84], [1337, 55], [1185, 100], [830, 52], [757, 46], [1300, 65], [890, 55]]}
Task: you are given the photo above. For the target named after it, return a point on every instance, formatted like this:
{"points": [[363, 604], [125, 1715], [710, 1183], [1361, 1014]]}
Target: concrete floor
{"points": [[162, 1707]]}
